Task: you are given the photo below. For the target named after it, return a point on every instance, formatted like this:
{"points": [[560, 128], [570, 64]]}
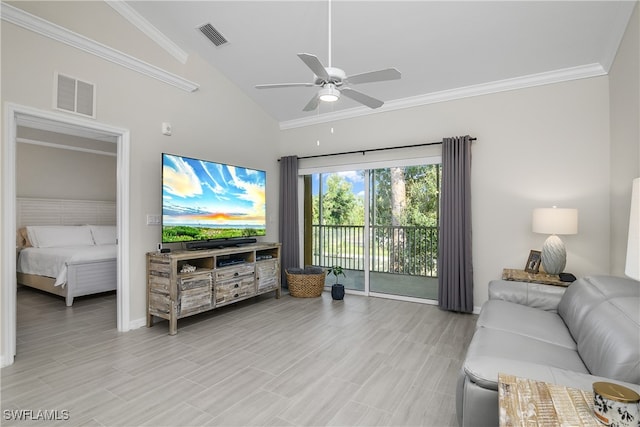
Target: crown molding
{"points": [[45, 28], [65, 147], [539, 79], [131, 15]]}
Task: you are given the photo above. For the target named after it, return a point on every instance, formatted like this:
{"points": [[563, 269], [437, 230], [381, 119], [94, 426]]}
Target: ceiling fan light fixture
{"points": [[329, 93]]}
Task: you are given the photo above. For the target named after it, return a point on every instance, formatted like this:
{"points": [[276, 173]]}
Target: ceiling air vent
{"points": [[212, 34], [75, 95]]}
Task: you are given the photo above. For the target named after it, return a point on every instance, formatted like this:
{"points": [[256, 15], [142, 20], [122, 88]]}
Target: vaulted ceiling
{"points": [[444, 49]]}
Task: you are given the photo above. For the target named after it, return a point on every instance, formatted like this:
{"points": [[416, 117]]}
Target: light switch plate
{"points": [[153, 219]]}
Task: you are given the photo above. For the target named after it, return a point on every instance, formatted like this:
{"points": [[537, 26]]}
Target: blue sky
{"points": [[355, 178], [195, 191]]}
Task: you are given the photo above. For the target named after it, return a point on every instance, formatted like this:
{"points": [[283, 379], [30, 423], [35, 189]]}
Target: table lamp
{"points": [[632, 267], [554, 221]]}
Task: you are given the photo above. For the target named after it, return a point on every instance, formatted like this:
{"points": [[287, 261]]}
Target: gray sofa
{"points": [[588, 333]]}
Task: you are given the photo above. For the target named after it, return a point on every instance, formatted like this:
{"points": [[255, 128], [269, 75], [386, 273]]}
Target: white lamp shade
{"points": [[632, 267], [555, 221]]}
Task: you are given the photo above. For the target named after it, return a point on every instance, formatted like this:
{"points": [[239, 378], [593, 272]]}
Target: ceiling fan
{"points": [[332, 81]]}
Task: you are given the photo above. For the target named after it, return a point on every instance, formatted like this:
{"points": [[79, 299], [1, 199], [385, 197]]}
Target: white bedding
{"points": [[53, 262]]}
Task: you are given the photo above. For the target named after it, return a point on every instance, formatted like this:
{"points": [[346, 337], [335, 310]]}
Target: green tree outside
{"points": [[406, 198]]}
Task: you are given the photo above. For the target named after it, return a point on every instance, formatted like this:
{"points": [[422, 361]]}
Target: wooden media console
{"points": [[184, 283]]}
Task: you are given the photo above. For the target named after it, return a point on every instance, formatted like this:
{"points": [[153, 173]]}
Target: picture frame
{"points": [[533, 263]]}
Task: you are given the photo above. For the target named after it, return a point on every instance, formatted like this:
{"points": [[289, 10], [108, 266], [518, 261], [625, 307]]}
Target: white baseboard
{"points": [[2, 362], [137, 323]]}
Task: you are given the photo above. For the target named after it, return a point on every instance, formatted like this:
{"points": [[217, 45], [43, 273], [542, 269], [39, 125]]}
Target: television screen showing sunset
{"points": [[203, 200]]}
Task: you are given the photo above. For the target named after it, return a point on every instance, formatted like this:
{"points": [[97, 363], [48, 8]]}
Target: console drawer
{"points": [[233, 289], [226, 273]]}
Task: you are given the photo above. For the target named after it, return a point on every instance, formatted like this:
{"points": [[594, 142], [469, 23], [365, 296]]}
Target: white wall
{"points": [[624, 86], [536, 147], [217, 122], [56, 173]]}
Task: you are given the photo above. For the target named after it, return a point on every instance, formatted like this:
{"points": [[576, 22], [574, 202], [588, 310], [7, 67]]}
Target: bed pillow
{"points": [[50, 236], [22, 238], [104, 234]]}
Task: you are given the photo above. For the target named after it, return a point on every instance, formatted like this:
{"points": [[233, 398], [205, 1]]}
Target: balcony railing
{"points": [[396, 250]]}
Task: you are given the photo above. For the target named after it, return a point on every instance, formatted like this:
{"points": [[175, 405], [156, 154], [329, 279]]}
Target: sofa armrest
{"points": [[536, 295]]}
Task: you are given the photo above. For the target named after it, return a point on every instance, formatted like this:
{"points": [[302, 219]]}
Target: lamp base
{"points": [[554, 255]]}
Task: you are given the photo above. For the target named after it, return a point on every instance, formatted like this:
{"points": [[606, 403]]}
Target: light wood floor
{"points": [[293, 361]]}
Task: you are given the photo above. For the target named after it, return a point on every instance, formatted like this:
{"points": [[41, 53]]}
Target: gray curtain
{"points": [[455, 269], [289, 235]]}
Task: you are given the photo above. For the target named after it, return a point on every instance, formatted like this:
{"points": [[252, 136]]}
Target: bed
{"points": [[66, 260]]}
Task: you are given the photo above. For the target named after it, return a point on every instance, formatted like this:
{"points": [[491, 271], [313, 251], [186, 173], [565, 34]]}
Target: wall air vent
{"points": [[75, 96], [212, 34]]}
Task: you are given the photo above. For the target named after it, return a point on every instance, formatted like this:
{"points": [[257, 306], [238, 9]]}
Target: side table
{"points": [[524, 276], [526, 402]]}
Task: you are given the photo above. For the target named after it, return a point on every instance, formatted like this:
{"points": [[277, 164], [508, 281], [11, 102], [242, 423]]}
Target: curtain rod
{"points": [[375, 149]]}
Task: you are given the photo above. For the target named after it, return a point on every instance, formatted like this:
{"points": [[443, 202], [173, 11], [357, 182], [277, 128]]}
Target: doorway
{"points": [[28, 117]]}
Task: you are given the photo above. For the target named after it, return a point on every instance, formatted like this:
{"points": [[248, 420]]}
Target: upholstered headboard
{"points": [[64, 212]]}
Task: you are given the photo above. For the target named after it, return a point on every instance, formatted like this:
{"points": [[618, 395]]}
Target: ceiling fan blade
{"points": [[374, 76], [278, 85], [314, 63], [312, 105], [361, 98]]}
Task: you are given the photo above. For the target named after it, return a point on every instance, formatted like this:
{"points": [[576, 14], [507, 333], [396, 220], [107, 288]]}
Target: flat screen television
{"points": [[208, 201]]}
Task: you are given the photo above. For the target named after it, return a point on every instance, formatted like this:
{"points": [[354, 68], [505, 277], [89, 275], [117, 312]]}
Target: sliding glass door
{"points": [[403, 224], [379, 224]]}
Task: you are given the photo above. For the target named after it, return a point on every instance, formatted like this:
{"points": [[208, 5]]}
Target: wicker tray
{"points": [[307, 283]]}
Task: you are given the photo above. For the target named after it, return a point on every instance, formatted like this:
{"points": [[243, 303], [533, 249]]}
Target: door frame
{"points": [[20, 115]]}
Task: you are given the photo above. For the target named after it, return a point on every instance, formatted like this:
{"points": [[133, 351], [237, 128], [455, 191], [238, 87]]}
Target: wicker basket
{"points": [[307, 283]]}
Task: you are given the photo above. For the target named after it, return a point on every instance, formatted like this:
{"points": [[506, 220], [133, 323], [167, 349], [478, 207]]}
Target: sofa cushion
{"points": [[524, 320], [603, 316], [609, 342], [544, 297], [586, 293], [492, 351]]}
